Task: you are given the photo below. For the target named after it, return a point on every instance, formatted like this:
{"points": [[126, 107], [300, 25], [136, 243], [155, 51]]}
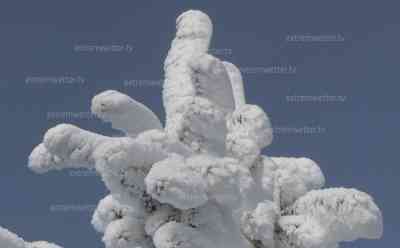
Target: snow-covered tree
{"points": [[201, 180]]}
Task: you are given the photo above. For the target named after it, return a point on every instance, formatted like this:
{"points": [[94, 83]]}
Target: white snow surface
{"points": [[250, 121], [110, 210], [259, 224], [200, 126], [126, 233], [236, 79], [124, 113], [296, 177], [11, 240], [193, 35], [197, 86], [345, 214]]}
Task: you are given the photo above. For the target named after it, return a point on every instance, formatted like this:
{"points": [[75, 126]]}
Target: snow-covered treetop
{"points": [[201, 181]]}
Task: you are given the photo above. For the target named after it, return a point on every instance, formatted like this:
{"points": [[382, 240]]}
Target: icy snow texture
{"points": [[11, 240], [122, 111], [236, 79], [252, 122], [201, 127], [197, 90], [190, 183], [41, 161], [126, 233], [260, 223], [296, 177], [249, 131], [109, 210], [42, 244], [332, 215], [201, 181]]}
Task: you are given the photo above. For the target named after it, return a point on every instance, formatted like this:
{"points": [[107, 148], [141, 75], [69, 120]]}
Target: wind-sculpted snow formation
{"points": [[201, 181]]}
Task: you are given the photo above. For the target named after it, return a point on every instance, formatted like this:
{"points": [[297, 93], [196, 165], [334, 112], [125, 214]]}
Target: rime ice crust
{"points": [[201, 181], [11, 240], [122, 112], [343, 214], [296, 177], [109, 210], [42, 161], [259, 224], [250, 121], [249, 131], [235, 76], [175, 182], [201, 126], [194, 31], [42, 244], [197, 86]]}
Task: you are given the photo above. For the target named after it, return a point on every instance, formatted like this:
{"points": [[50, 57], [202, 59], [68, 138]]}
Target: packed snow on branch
{"points": [[11, 240], [201, 181]]}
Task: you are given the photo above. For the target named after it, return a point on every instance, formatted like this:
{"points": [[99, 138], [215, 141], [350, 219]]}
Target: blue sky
{"points": [[354, 140]]}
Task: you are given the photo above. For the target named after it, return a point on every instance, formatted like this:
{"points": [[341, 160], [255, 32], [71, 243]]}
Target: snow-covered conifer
{"points": [[201, 181]]}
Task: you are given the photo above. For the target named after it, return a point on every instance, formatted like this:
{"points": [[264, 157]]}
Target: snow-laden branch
{"points": [[259, 224], [236, 79], [122, 111], [197, 91], [194, 30], [201, 126], [11, 240], [109, 210], [41, 161], [65, 146], [123, 164], [296, 177], [174, 234], [250, 121], [330, 216], [126, 233], [190, 183], [249, 131]]}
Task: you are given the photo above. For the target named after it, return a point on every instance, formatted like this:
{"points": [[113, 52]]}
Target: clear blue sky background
{"points": [[357, 145]]}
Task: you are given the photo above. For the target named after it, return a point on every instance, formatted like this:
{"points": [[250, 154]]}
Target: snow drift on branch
{"points": [[11, 240]]}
